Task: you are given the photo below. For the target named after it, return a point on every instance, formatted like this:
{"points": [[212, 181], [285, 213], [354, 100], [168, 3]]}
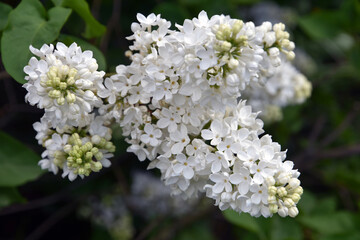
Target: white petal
{"points": [[235, 178], [215, 166], [188, 172], [218, 187]]}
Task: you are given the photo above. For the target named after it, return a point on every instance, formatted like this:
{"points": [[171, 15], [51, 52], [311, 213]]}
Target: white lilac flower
{"points": [[179, 98], [151, 135], [64, 82]]}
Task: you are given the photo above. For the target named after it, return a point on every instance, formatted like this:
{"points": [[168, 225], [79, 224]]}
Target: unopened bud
{"points": [[283, 211], [95, 139], [272, 190], [60, 100], [293, 211], [295, 197], [62, 85], [290, 55], [299, 190], [98, 156], [233, 63], [281, 192], [226, 46], [97, 167], [70, 97], [294, 183], [237, 27], [273, 208], [289, 202], [271, 199]]}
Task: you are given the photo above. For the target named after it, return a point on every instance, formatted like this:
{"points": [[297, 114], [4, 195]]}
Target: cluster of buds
{"points": [[60, 84], [284, 197]]}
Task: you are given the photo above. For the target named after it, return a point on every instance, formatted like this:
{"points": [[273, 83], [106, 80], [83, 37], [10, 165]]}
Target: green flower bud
{"points": [[272, 190], [60, 100], [70, 81], [62, 85], [281, 192], [273, 208], [96, 139], [237, 27], [288, 202], [89, 155], [97, 166], [81, 171], [72, 72], [295, 197], [98, 156], [94, 150]]}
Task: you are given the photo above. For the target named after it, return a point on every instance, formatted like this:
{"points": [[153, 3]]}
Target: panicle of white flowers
{"points": [[181, 105], [65, 83], [177, 103]]}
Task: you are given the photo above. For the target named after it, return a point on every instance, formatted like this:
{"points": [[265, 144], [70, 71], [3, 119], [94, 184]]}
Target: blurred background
{"points": [[128, 202]]}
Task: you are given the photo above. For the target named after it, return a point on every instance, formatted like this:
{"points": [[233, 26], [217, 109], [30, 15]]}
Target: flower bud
{"points": [[72, 73], [294, 183], [70, 97], [95, 139], [293, 211], [225, 46], [271, 199], [233, 63], [281, 192], [289, 202], [295, 197], [299, 190], [98, 156], [283, 211], [290, 55], [60, 100], [62, 85], [96, 166], [273, 208], [237, 26], [270, 181], [67, 148], [272, 190], [273, 52]]}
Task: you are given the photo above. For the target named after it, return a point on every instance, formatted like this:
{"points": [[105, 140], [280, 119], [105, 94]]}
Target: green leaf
{"points": [[285, 229], [324, 24], [9, 195], [18, 163], [93, 27], [329, 223], [243, 220], [68, 39], [4, 12], [29, 24]]}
